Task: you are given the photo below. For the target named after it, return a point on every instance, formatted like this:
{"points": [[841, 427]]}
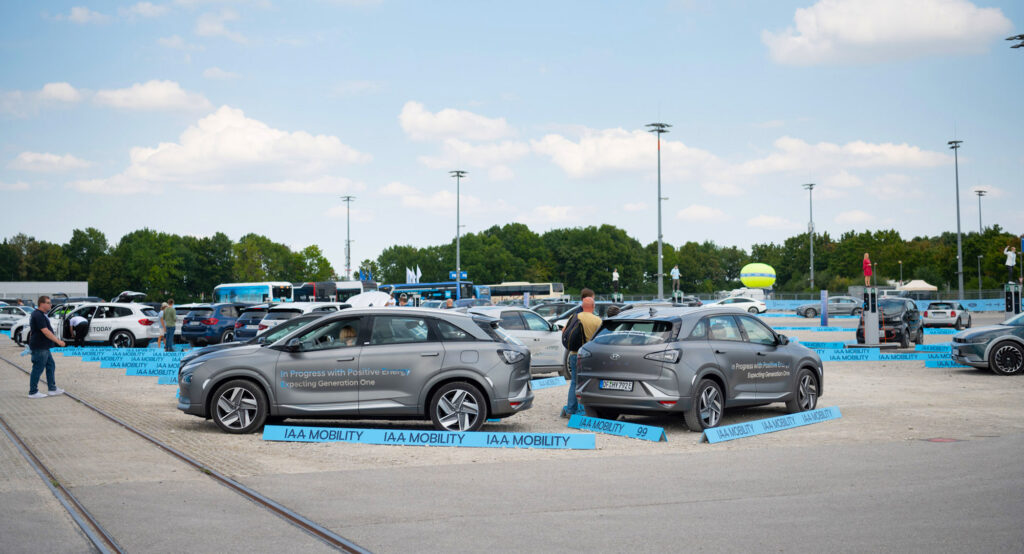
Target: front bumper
{"points": [[972, 354]]}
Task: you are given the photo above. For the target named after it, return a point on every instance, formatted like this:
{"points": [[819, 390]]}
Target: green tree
{"points": [[84, 248]]}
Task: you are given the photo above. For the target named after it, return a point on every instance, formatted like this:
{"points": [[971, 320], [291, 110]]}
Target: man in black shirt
{"points": [[41, 339]]}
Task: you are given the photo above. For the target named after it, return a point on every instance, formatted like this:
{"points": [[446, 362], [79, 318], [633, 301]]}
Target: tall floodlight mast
{"points": [[348, 236], [658, 129], [810, 227], [955, 146], [458, 174]]}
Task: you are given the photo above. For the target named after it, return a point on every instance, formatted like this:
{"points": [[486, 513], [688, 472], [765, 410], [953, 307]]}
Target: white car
{"points": [[946, 314], [288, 310], [20, 328], [9, 315], [544, 340], [121, 324], [743, 303]]}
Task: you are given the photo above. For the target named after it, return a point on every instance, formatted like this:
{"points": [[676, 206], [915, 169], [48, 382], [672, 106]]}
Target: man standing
{"points": [[170, 320], [590, 323], [40, 340], [79, 329], [1011, 260], [403, 300], [675, 278], [615, 280]]}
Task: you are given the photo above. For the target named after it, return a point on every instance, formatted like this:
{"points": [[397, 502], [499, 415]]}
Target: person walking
{"points": [[1011, 260], [40, 340], [590, 323], [170, 320], [615, 280], [867, 270], [675, 278], [79, 329]]}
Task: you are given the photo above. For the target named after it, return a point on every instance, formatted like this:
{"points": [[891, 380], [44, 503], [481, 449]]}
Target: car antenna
{"points": [[653, 311]]}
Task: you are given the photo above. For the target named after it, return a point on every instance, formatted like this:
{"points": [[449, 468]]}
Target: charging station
{"points": [[1011, 291]]}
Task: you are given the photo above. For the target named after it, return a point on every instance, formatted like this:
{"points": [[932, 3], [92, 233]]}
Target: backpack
{"points": [[573, 336]]}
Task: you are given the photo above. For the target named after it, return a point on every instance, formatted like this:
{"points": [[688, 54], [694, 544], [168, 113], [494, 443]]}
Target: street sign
{"points": [[462, 276]]}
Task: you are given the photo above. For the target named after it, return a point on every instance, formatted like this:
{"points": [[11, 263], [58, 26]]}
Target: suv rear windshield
{"points": [[892, 307], [282, 314], [636, 333], [201, 313]]}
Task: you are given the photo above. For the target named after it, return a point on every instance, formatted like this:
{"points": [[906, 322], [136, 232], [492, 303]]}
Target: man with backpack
{"points": [[581, 327]]}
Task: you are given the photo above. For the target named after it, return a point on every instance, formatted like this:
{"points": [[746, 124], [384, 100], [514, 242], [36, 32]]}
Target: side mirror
{"points": [[293, 345], [782, 340]]}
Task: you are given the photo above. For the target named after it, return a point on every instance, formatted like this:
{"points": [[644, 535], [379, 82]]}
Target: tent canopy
{"points": [[918, 285]]}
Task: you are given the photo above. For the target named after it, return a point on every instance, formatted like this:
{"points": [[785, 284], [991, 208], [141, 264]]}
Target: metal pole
{"points": [[901, 273], [458, 174], [980, 193], [348, 236], [658, 129], [955, 145], [810, 228], [979, 275]]}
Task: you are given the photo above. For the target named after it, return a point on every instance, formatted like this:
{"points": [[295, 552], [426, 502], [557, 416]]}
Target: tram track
{"points": [[103, 541]]}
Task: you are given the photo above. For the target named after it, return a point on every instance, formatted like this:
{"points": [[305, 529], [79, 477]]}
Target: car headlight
{"points": [[190, 367], [583, 353], [511, 356], [975, 340], [669, 356]]}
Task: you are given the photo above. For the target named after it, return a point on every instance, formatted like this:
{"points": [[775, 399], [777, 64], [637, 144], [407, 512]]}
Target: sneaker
{"points": [[565, 413], [38, 395], [56, 392]]}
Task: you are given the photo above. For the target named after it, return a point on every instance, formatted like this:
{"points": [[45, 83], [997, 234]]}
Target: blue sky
{"points": [[194, 117]]}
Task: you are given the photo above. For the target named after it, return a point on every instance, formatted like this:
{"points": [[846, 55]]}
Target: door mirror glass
{"points": [[293, 345], [782, 340]]}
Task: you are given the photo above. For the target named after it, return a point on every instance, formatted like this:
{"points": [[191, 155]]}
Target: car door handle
{"points": [[720, 352], [428, 354], [347, 359], [761, 354]]}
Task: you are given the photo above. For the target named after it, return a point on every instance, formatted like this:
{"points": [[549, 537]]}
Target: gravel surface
{"points": [[880, 402]]}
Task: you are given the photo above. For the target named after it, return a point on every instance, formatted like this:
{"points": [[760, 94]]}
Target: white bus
{"points": [[267, 291], [516, 289]]}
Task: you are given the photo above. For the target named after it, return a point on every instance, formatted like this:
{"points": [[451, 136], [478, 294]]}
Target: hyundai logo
{"points": [[615, 356]]}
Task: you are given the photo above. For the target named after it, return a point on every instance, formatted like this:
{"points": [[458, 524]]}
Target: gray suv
{"points": [[695, 362], [374, 363]]}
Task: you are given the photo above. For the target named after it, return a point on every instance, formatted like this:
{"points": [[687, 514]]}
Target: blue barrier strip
{"points": [[945, 363], [619, 428], [770, 425], [537, 384], [478, 439]]}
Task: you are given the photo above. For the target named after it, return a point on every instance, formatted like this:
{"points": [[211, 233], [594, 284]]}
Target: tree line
{"points": [[188, 268]]}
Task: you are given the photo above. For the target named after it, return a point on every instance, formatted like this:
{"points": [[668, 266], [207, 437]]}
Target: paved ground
{"points": [[868, 481]]}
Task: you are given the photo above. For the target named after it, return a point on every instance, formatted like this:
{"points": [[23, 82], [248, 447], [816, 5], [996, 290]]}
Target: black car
{"points": [[898, 321], [695, 362]]}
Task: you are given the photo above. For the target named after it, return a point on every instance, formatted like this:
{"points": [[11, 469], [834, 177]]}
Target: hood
{"points": [[221, 350], [983, 331]]}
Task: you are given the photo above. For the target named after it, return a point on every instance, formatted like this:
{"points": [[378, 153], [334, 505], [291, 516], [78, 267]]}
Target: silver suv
{"points": [[373, 363]]}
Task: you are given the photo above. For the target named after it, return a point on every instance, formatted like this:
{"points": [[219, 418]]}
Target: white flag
{"points": [[408, 275], [419, 274]]}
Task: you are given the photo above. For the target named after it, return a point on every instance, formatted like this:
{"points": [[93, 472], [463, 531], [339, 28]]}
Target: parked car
{"points": [[600, 310], [837, 305], [119, 324], [943, 313], [454, 369], [898, 320], [434, 304], [999, 348], [695, 362], [551, 310], [544, 340], [286, 311], [689, 302], [9, 315], [247, 325], [182, 310], [266, 338], [20, 328], [742, 302], [211, 324]]}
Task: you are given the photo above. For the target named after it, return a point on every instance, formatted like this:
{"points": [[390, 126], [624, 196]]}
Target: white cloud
{"points": [[554, 215], [178, 43], [721, 189], [854, 217], [634, 207], [219, 74], [145, 9], [461, 153], [60, 92], [696, 212], [46, 162], [83, 15], [20, 185], [420, 124], [442, 202], [212, 25], [153, 95], [857, 31], [773, 222], [23, 103], [793, 154], [226, 149], [842, 180]]}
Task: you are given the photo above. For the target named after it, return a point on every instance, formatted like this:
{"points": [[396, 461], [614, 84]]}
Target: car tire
{"points": [[920, 336], [856, 312], [602, 413], [707, 407], [959, 325], [905, 338], [811, 312], [122, 339], [227, 336], [968, 322], [16, 335], [1007, 358], [805, 395], [564, 371], [458, 406], [239, 407], [753, 310]]}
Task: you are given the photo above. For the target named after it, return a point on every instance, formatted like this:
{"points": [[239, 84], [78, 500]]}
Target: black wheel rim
{"points": [[807, 392], [1008, 359]]}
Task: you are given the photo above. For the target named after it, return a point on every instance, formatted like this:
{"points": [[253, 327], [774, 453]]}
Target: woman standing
{"points": [[867, 270]]}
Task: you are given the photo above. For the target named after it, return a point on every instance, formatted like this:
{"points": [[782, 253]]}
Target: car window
{"points": [[397, 330], [150, 312], [103, 312], [451, 332], [201, 313], [229, 311], [510, 321], [281, 314], [636, 333], [700, 330], [535, 322], [940, 306], [756, 331], [339, 333], [723, 327], [325, 309], [119, 311], [85, 312]]}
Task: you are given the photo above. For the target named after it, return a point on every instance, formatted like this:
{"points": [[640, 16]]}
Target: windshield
{"points": [[277, 333], [281, 314], [892, 307], [1017, 320], [635, 333], [940, 306], [203, 313]]}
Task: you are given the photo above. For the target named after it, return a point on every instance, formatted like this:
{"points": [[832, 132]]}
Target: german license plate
{"points": [[615, 385], [252, 326]]}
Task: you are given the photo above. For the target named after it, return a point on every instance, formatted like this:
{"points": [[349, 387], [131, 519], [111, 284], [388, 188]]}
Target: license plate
{"points": [[252, 326], [616, 385]]}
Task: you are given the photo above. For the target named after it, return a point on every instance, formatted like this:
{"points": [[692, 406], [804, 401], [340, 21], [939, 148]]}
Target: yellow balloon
{"points": [[758, 276]]}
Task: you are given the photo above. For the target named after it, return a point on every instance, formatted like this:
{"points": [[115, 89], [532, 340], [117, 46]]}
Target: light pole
{"points": [[348, 234], [979, 275], [955, 146], [458, 174], [810, 227], [901, 273], [874, 273], [658, 129], [980, 193]]}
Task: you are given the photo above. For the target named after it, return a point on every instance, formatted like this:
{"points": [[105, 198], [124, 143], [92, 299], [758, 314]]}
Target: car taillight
{"points": [[145, 322], [238, 325], [926, 313], [951, 314], [262, 326], [209, 321]]}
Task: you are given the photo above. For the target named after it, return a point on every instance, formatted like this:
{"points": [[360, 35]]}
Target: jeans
{"points": [[572, 406], [42, 359], [169, 339]]}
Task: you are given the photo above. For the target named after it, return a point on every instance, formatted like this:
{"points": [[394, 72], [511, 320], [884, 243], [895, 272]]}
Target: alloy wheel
{"points": [[710, 407], [807, 392], [457, 410], [1008, 359], [236, 408]]}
